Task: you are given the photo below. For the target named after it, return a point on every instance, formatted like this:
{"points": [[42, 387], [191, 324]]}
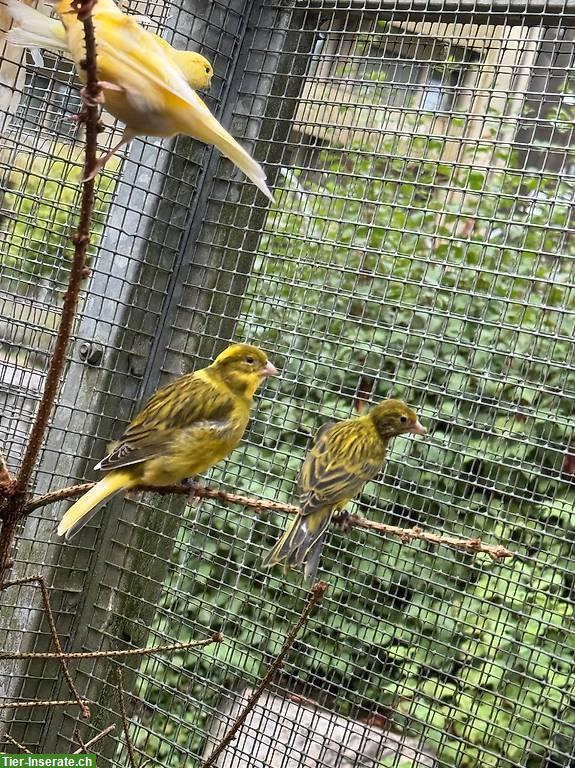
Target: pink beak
{"points": [[269, 370], [418, 428]]}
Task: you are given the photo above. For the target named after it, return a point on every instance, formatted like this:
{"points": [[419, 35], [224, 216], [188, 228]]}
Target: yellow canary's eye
{"points": [[207, 70], [250, 360]]}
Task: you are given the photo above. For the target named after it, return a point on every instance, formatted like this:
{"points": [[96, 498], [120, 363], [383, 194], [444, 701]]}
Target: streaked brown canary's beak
{"points": [[418, 428], [269, 370]]}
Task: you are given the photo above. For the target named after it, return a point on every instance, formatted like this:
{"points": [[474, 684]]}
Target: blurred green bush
{"points": [[38, 212], [450, 286]]}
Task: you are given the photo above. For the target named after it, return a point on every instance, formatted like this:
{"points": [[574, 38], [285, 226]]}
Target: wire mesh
{"points": [[420, 246]]}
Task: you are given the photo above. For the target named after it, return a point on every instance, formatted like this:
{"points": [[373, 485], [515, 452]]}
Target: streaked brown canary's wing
{"points": [[343, 458], [184, 403]]}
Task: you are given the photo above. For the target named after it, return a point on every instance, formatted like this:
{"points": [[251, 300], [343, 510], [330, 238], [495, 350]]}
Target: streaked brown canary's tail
{"points": [[301, 543], [87, 506]]}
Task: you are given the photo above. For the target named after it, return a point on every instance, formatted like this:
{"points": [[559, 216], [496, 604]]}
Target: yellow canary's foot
{"points": [[127, 136], [71, 118], [90, 101], [98, 100], [107, 86], [189, 483]]}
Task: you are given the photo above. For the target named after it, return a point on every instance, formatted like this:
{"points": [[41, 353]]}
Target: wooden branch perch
{"points": [[495, 551], [14, 507]]}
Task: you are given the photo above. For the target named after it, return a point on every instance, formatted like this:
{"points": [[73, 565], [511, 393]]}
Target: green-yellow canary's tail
{"points": [[87, 506], [301, 543]]}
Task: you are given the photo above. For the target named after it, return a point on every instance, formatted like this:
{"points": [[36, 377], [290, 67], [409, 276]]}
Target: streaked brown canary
{"points": [[184, 429], [343, 457]]}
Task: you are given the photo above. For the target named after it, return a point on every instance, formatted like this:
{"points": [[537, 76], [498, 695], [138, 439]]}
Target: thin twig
{"points": [[317, 592], [15, 509], [125, 723], [94, 740], [496, 551], [53, 497], [200, 491], [39, 581], [43, 703], [5, 476], [215, 638], [12, 740], [80, 740], [81, 239]]}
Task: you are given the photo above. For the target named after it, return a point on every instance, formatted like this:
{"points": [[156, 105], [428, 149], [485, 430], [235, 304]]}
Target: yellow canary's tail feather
{"points": [[81, 512], [229, 147], [35, 29]]}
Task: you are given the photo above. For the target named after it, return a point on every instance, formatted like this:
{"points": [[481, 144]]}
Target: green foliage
{"points": [[451, 287], [39, 211]]}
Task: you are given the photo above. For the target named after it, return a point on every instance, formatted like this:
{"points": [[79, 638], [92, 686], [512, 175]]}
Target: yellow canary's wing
{"points": [[185, 403], [128, 57]]}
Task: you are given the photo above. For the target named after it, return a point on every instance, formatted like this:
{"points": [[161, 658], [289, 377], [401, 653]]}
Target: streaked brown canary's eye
{"points": [[403, 419]]}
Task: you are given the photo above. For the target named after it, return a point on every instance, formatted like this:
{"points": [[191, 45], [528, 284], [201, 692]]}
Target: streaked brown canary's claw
{"points": [[343, 520]]}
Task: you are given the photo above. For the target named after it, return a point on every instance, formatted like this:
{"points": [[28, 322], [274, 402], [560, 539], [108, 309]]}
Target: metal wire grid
{"points": [[118, 286], [350, 320]]}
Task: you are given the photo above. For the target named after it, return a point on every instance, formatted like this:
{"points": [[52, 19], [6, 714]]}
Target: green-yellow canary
{"points": [[35, 29], [343, 457], [184, 429]]}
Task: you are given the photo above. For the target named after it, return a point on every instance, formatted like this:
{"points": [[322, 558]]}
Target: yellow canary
{"points": [[344, 456], [184, 429], [37, 30], [143, 87]]}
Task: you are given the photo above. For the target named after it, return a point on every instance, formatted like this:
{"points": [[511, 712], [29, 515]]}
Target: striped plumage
{"points": [[184, 429], [343, 457]]}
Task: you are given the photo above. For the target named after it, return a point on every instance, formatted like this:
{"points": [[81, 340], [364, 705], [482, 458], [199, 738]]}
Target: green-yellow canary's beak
{"points": [[269, 370]]}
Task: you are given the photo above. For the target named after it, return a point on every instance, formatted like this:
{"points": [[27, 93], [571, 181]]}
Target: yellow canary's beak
{"points": [[269, 370], [418, 428]]}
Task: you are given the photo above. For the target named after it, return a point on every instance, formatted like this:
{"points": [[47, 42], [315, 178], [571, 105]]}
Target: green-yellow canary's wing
{"points": [[188, 402]]}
